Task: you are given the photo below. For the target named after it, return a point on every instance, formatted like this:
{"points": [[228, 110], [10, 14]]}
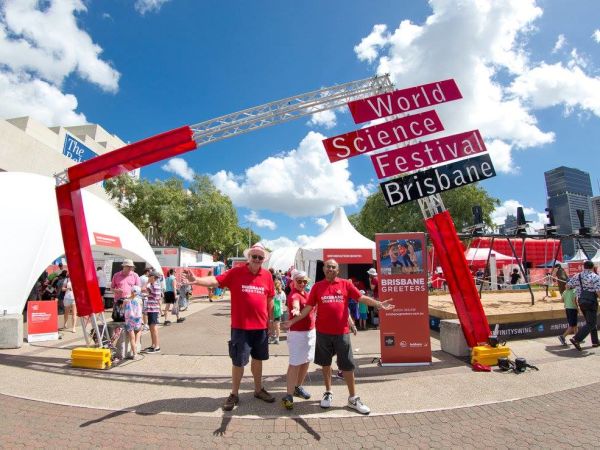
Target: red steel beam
{"points": [[78, 250]]}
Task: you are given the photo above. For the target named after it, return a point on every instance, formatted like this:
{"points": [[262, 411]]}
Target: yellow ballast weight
{"points": [[487, 355], [90, 358]]}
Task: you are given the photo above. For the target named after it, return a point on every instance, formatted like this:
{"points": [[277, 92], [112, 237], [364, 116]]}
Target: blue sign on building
{"points": [[76, 151]]}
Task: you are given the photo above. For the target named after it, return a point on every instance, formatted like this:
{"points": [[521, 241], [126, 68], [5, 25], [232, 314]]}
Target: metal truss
{"points": [[288, 109], [431, 205]]}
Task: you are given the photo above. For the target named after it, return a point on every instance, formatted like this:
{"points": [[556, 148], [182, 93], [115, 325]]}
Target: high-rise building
{"points": [[595, 204], [510, 225], [570, 190]]}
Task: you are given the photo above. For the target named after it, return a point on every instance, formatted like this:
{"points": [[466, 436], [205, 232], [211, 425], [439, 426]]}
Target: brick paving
{"points": [[548, 421]]}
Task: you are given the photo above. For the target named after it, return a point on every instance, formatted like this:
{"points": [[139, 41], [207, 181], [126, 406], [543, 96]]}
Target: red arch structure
{"points": [[78, 250]]}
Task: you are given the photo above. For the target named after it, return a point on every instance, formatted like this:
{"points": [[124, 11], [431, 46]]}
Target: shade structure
{"points": [[478, 257], [579, 256], [282, 258], [339, 234], [31, 238]]}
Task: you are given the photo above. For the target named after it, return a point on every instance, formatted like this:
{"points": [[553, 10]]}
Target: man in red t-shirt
{"points": [[252, 292], [330, 296]]}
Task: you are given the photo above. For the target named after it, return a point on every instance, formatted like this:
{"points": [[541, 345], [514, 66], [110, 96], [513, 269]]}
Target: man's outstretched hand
{"points": [[386, 304]]}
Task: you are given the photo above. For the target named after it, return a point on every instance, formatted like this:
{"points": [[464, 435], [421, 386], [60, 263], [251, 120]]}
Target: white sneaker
{"points": [[327, 399], [358, 405]]}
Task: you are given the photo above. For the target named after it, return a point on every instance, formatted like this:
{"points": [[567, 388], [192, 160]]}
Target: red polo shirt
{"points": [[306, 324], [249, 296], [331, 300]]}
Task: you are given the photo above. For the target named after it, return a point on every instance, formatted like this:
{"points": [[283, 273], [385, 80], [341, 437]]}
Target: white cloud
{"points": [[254, 218], [179, 166], [302, 225], [321, 222], [41, 45], [326, 119], [145, 6], [550, 85], [560, 42], [301, 182], [476, 43], [538, 219], [283, 241], [596, 36]]}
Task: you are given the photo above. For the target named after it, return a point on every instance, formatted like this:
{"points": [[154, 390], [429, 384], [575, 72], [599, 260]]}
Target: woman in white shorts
{"points": [[69, 303], [301, 339]]}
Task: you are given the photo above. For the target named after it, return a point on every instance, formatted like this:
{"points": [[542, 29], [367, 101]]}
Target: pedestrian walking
{"points": [[587, 286]]}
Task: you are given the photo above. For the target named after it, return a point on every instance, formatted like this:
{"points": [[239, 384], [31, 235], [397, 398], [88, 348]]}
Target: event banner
{"points": [[392, 132], [404, 100], [349, 255], [402, 270], [433, 181], [42, 320], [428, 153]]}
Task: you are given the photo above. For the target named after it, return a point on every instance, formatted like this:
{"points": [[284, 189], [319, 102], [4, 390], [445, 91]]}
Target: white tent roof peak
{"points": [[340, 234], [579, 256]]}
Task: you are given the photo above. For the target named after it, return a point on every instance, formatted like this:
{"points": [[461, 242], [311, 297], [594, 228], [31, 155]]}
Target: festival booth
{"points": [[31, 236], [340, 240], [478, 257], [575, 264], [282, 259]]}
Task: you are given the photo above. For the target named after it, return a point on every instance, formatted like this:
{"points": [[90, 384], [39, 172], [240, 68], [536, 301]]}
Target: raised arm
{"points": [[208, 281]]}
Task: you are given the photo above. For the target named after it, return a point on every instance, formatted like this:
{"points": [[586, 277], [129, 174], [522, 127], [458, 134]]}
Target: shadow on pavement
{"points": [[176, 405]]}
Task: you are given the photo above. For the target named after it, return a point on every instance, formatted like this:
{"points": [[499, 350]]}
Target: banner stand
{"points": [[42, 320], [402, 271]]}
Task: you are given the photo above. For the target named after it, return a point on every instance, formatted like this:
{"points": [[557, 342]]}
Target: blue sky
{"points": [[528, 72]]}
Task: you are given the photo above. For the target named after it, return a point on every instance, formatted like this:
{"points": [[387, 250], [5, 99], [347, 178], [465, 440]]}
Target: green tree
{"points": [[200, 217], [376, 217]]}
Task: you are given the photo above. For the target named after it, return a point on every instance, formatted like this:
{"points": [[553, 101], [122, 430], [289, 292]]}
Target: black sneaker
{"points": [[181, 319], [167, 323], [152, 350], [299, 391], [562, 340], [575, 344]]}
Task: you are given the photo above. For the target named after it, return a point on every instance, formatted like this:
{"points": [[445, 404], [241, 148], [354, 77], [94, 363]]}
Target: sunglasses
{"points": [[331, 266], [301, 281], [260, 258]]}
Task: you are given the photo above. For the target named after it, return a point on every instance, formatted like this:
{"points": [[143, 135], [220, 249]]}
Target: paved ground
{"points": [[173, 399]]}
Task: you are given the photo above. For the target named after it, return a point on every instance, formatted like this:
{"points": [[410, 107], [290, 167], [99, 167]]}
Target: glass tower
{"points": [[568, 190]]}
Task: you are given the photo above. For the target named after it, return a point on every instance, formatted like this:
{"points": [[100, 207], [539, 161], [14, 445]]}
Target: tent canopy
{"points": [[339, 234], [282, 258], [31, 238], [579, 256], [596, 257], [479, 256]]}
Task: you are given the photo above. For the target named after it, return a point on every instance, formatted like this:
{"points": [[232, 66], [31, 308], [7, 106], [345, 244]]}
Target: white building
{"points": [[27, 145]]}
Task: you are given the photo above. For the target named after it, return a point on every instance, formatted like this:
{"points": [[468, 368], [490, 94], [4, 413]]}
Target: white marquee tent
{"points": [[478, 255], [596, 258], [31, 239], [282, 258], [339, 234], [579, 256]]}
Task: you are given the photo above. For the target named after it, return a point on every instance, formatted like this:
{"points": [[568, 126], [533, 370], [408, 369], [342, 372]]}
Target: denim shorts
{"points": [[334, 344], [152, 318], [246, 343]]}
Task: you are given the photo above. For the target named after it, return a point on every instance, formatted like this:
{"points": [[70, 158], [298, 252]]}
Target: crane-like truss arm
{"points": [[288, 109]]}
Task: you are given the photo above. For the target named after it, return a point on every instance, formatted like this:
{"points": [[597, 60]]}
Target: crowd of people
{"points": [[318, 326]]}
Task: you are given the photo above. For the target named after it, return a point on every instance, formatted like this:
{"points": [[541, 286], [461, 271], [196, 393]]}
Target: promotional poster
{"points": [[402, 271], [42, 321]]}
